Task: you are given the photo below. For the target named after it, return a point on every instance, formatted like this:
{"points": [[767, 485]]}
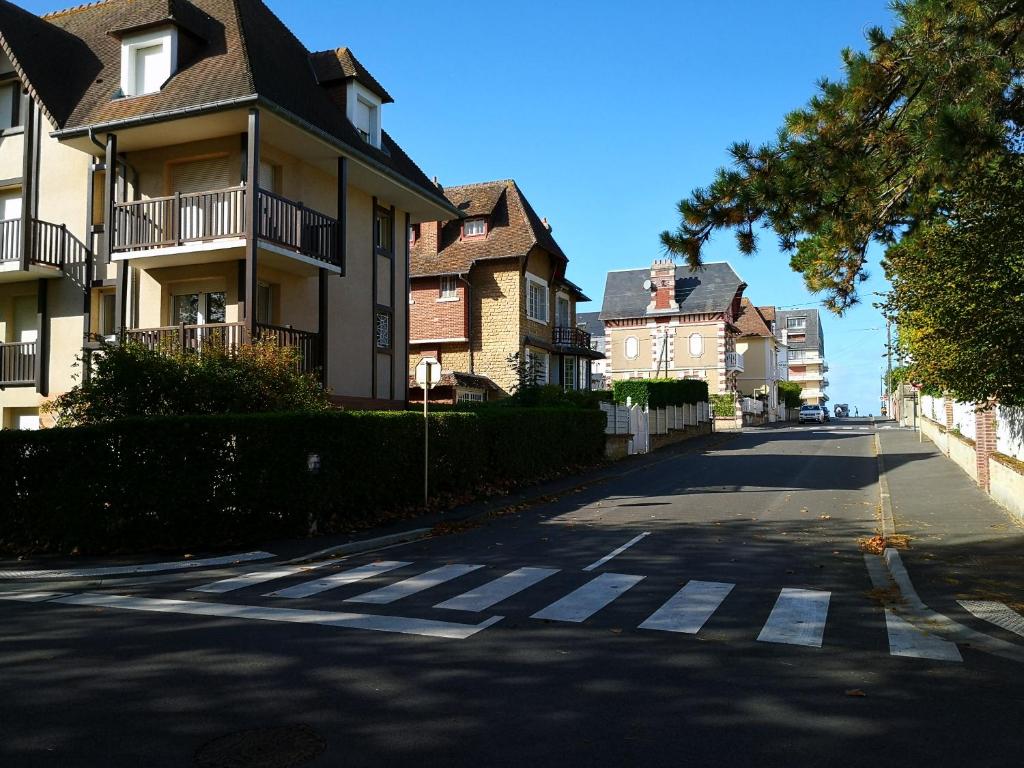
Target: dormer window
{"points": [[148, 60], [474, 227], [363, 108]]}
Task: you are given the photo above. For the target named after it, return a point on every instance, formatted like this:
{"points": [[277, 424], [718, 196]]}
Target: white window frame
{"points": [[559, 298], [14, 119], [357, 94], [167, 37], [470, 395], [570, 382], [636, 347], [796, 323], [543, 284], [545, 358], [695, 340], [448, 288], [474, 221]]}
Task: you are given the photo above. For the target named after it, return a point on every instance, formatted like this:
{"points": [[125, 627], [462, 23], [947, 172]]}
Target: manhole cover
{"points": [[283, 747]]}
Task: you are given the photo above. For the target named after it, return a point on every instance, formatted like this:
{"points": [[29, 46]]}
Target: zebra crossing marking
{"points": [[798, 618], [996, 613], [689, 608], [255, 577], [30, 597], [584, 602], [907, 640], [400, 624], [315, 587], [616, 552], [128, 570], [499, 589], [414, 584]]}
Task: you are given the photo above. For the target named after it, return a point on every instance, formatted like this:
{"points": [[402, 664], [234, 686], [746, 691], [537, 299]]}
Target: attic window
{"points": [[10, 104], [363, 108], [474, 228], [148, 60]]}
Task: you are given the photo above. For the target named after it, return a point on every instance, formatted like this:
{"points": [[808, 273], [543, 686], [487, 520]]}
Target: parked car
{"points": [[842, 410], [813, 413]]}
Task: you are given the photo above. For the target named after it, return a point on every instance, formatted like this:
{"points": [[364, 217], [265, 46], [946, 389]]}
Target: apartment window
{"points": [[10, 209], [147, 61], [569, 373], [108, 315], [382, 330], [632, 347], [10, 105], [796, 322], [448, 288], [383, 236], [474, 228], [264, 304], [537, 367], [562, 311], [414, 234], [537, 299], [470, 396], [199, 308]]}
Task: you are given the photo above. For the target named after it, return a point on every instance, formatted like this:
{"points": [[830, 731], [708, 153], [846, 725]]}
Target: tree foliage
{"points": [[130, 380], [789, 393], [870, 155], [958, 290]]}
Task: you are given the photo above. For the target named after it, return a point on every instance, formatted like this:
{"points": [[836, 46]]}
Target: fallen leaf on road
{"points": [[857, 692], [803, 509], [824, 517]]}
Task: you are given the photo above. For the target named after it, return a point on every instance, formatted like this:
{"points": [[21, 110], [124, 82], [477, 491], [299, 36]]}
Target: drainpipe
{"points": [[469, 319]]}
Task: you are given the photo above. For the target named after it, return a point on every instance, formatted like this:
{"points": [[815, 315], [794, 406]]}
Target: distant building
{"points": [[761, 351], [800, 330], [591, 323]]}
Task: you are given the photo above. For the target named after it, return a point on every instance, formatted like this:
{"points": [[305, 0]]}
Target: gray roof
{"points": [[710, 289], [590, 322], [815, 339]]}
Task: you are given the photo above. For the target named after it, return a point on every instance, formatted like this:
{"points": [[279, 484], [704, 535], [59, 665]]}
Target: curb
{"points": [[366, 545], [888, 520]]}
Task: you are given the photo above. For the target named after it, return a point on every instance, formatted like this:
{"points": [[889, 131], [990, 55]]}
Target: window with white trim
{"points": [[537, 367], [470, 396], [10, 104], [796, 322], [448, 287], [632, 347], [536, 300], [148, 60], [569, 373], [362, 107], [474, 228]]}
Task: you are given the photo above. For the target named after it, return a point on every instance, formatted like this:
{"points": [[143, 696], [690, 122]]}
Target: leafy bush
{"points": [[178, 482], [132, 380], [789, 393], [658, 393], [723, 405]]}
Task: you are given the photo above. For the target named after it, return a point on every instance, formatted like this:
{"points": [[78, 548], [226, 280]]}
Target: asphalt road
{"points": [[776, 652]]}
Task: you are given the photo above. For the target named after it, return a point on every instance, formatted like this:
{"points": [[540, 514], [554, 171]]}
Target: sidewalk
{"points": [[419, 525], [963, 546]]}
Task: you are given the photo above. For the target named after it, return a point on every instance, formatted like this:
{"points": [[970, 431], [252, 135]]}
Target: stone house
{"points": [[764, 363], [670, 322], [186, 171], [488, 285]]}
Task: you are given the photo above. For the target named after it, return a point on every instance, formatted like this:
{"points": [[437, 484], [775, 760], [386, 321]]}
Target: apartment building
{"points": [[488, 285], [764, 357], [187, 171], [667, 321], [590, 322], [800, 330]]}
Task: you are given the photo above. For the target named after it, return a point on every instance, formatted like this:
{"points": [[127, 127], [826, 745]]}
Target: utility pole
{"points": [[888, 372]]}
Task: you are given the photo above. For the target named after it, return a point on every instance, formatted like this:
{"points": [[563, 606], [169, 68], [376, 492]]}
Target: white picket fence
{"points": [[1009, 423], [642, 422], [750, 405]]}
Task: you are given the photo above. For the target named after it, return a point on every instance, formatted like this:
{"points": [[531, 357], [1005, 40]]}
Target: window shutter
{"points": [[201, 175]]}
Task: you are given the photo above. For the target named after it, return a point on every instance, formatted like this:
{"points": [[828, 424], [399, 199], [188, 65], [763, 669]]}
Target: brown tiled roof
{"points": [[460, 379], [750, 321], [513, 231], [237, 52], [768, 313], [341, 64]]}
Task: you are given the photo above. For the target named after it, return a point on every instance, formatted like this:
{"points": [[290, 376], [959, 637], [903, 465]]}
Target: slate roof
{"points": [[707, 290], [341, 64], [814, 338], [232, 52], [751, 322], [590, 322], [514, 230]]}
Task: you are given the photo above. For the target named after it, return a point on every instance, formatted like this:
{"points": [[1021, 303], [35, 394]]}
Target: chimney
{"points": [[430, 237], [663, 286]]}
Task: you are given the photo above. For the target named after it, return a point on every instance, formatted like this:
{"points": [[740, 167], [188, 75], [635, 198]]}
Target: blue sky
{"points": [[606, 114]]}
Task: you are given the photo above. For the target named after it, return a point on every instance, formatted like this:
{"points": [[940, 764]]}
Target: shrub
{"points": [[723, 405], [658, 393], [789, 393], [130, 379], [178, 482]]}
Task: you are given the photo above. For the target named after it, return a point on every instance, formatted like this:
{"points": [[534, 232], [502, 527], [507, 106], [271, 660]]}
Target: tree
{"points": [[958, 290], [869, 158], [789, 393]]}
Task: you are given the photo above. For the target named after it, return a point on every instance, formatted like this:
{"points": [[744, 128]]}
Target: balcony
{"points": [[204, 221], [564, 336], [227, 337], [734, 361], [51, 246], [18, 364]]}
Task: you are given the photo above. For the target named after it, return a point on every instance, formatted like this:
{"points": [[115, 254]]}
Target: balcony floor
{"points": [[11, 272], [226, 249]]}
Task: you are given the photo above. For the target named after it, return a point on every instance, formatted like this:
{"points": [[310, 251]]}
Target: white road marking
{"points": [[255, 577], [798, 618], [689, 608], [996, 613], [584, 602], [616, 552], [414, 584], [501, 588], [315, 587], [400, 624], [122, 570], [31, 597], [907, 640]]}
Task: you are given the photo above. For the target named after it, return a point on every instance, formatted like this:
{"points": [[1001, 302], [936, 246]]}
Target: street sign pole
{"points": [[428, 373]]}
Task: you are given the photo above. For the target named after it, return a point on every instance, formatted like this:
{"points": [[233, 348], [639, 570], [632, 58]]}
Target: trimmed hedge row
{"points": [[207, 481], [723, 405], [658, 393]]}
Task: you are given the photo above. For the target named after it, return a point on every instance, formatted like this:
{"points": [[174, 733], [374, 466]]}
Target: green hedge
{"points": [[657, 393], [209, 481], [723, 405]]}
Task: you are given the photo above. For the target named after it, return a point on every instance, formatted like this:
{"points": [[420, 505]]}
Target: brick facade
{"points": [[433, 318], [984, 441]]}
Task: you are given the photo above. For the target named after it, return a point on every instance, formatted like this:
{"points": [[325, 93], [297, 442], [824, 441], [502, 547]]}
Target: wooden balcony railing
{"points": [[18, 363], [50, 242], [10, 239], [228, 337], [292, 225], [180, 219], [565, 336]]}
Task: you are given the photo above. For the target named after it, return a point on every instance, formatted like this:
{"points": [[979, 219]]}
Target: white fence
{"points": [[1009, 423], [1010, 431], [750, 405], [641, 422], [618, 419]]}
